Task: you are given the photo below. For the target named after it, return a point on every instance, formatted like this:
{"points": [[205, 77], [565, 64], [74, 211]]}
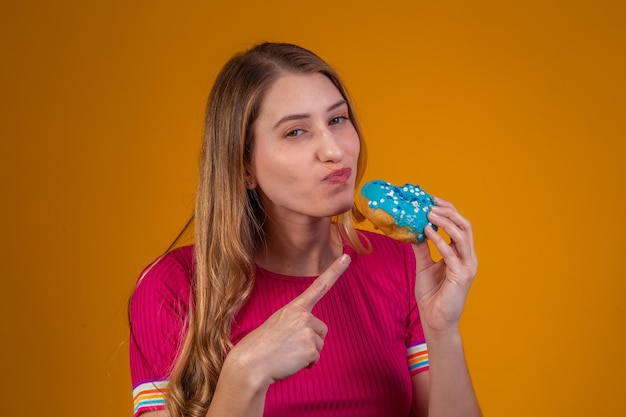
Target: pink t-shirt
{"points": [[375, 340]]}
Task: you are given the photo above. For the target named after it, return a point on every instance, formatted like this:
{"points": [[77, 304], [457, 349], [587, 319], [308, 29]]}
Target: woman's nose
{"points": [[329, 147]]}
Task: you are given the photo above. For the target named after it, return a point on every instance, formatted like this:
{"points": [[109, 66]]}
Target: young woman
{"points": [[281, 307]]}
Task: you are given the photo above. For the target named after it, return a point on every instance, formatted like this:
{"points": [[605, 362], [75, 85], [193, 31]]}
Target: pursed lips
{"points": [[338, 176]]}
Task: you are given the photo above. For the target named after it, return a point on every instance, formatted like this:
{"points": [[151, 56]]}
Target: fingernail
{"points": [[345, 259]]}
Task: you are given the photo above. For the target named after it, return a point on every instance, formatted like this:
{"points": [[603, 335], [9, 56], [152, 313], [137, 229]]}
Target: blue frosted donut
{"points": [[399, 212]]}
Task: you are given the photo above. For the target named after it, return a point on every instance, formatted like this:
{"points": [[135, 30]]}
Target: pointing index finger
{"points": [[322, 284]]}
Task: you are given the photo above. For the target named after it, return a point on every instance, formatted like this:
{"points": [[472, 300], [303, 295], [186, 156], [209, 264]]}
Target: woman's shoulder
{"points": [[384, 250], [172, 269], [382, 243]]}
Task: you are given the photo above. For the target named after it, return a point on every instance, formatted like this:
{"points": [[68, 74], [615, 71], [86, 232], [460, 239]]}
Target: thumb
{"points": [[322, 284], [423, 256]]}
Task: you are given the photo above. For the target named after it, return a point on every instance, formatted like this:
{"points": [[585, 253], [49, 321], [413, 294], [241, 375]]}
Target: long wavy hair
{"points": [[228, 217]]}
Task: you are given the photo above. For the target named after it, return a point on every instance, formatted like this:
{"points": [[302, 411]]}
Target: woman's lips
{"points": [[338, 176]]}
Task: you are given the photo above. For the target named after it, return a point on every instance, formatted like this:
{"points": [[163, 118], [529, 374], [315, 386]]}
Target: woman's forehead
{"points": [[299, 93]]}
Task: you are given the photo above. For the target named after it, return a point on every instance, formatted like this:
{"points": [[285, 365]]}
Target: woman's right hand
{"points": [[290, 339]]}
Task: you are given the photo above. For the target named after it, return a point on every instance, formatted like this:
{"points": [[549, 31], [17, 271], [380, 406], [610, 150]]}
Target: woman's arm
{"points": [[441, 289], [446, 388], [421, 388], [289, 340]]}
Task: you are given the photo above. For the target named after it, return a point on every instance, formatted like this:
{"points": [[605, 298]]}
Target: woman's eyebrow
{"points": [[337, 104], [291, 117], [300, 116]]}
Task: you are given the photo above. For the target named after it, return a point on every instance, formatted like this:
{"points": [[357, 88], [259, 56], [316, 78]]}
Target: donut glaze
{"points": [[398, 211]]}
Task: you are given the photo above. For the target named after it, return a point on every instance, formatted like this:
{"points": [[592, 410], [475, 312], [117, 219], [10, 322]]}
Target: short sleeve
{"points": [[158, 314], [416, 349]]}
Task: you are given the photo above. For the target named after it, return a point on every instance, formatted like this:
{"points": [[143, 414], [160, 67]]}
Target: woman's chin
{"points": [[341, 209]]}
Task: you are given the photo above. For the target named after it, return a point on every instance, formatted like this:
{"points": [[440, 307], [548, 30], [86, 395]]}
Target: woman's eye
{"points": [[337, 120], [294, 133]]}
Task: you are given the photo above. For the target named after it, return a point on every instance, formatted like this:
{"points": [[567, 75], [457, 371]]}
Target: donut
{"points": [[397, 211]]}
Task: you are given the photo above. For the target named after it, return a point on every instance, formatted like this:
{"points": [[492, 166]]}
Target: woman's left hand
{"points": [[441, 287]]}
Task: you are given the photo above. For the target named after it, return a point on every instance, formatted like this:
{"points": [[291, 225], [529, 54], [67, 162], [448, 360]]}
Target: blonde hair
{"points": [[229, 218]]}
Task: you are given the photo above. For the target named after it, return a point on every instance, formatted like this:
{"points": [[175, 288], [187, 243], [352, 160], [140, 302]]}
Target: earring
{"points": [[250, 184]]}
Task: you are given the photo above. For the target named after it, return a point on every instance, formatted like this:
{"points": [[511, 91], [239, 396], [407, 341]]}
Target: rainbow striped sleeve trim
{"points": [[417, 358], [149, 396]]}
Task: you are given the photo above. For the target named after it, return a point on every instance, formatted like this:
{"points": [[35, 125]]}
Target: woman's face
{"points": [[305, 149]]}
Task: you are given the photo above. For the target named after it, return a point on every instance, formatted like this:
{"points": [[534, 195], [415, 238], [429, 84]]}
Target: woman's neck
{"points": [[300, 249]]}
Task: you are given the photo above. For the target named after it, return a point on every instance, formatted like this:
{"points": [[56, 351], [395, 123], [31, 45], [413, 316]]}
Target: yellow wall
{"points": [[515, 111]]}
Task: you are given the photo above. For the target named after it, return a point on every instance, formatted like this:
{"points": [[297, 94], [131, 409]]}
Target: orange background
{"points": [[515, 111]]}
